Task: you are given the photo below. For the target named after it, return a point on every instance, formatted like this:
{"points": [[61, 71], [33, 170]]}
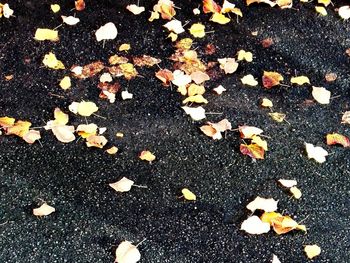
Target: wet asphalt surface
{"points": [[91, 219]]}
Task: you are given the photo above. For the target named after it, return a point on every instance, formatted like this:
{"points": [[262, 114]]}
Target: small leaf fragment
{"points": [[266, 103], [220, 19], [43, 210], [317, 153], [265, 204], [188, 195], [147, 156], [112, 150], [277, 116], [219, 89], [321, 10], [295, 191], [135, 9], [55, 8], [312, 251], [65, 83], [245, 55], [42, 34], [97, 141], [196, 113], [300, 80], [52, 62], [123, 185]]}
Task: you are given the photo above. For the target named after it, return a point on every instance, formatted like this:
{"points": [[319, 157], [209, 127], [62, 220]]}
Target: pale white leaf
{"points": [[127, 95], [175, 26], [135, 9], [43, 210], [253, 225], [321, 95], [70, 20], [317, 153], [127, 253], [196, 113], [260, 203], [108, 31], [123, 185]]}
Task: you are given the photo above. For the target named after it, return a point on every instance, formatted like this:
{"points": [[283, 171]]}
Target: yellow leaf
{"points": [[268, 217], [194, 89], [42, 34], [266, 103], [277, 116], [257, 140], [55, 8], [249, 80], [301, 80], [196, 99], [87, 130], [20, 128], [172, 36], [124, 47], [51, 61], [295, 192], [185, 44], [182, 90], [321, 10], [119, 135], [86, 108], [7, 122], [112, 150], [312, 251], [245, 55], [154, 15], [197, 30], [147, 156], [324, 2], [61, 118], [188, 194], [237, 11], [128, 70], [65, 83], [271, 79], [220, 18]]}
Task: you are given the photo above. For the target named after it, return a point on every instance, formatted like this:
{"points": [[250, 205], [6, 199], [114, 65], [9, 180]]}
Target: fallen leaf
{"points": [[135, 9], [219, 89], [119, 135], [19, 128], [79, 5], [260, 142], [268, 217], [196, 99], [267, 42], [6, 122], [199, 77], [42, 34], [70, 20], [127, 95], [214, 130], [196, 113], [65, 83], [55, 8], [108, 31], [194, 89], [287, 183], [184, 44], [127, 253], [165, 75], [188, 195], [227, 7], [247, 132], [265, 204], [154, 16], [321, 10], [285, 224], [31, 136], [145, 61], [97, 141], [123, 185], [84, 108], [229, 65], [180, 78], [51, 61], [271, 79], [147, 156], [324, 2], [252, 150], [210, 6], [196, 11], [249, 80], [6, 10], [197, 30], [277, 116], [336, 138], [64, 133], [112, 150], [344, 12], [43, 210], [244, 55], [165, 8], [317, 153], [321, 95], [106, 77], [175, 26], [271, 3], [301, 80], [173, 36], [275, 259], [346, 118], [253, 225], [330, 77], [220, 19], [295, 191], [266, 103], [312, 251], [87, 130]]}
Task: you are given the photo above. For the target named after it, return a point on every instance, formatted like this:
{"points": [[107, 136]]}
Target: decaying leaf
{"points": [[214, 130], [108, 31], [43, 210], [249, 80], [210, 6], [165, 75], [123, 185], [97, 141], [147, 156], [165, 8], [127, 253], [277, 116], [321, 95], [271, 79], [197, 30], [260, 142], [42, 34], [266, 103], [252, 150], [285, 224], [312, 251], [51, 61], [188, 195], [265, 204], [196, 113], [135, 9], [300, 80], [245, 55], [317, 153], [146, 61], [336, 138], [253, 225], [247, 132]]}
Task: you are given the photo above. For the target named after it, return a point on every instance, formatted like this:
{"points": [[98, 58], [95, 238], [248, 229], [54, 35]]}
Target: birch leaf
{"points": [[265, 204], [317, 153], [249, 80], [135, 9], [127, 253], [312, 251], [321, 95], [123, 185], [43, 210], [188, 195], [253, 225], [301, 80], [108, 31], [42, 34]]}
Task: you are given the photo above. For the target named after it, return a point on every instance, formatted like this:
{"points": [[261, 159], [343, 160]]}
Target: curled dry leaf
{"points": [[43, 210], [145, 61], [249, 80], [271, 79], [321, 95], [210, 6], [253, 150], [166, 8], [247, 132], [97, 141], [253, 225], [281, 224], [196, 113], [135, 9], [188, 195], [123, 185], [265, 204], [127, 253], [42, 34], [214, 130], [147, 156], [336, 138], [300, 80], [108, 31], [312, 251], [317, 153]]}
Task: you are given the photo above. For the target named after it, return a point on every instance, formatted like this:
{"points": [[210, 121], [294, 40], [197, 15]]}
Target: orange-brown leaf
{"points": [[271, 79], [165, 76], [252, 150], [79, 5], [210, 6]]}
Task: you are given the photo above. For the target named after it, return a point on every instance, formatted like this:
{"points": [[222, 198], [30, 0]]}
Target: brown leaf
{"points": [[146, 61]]}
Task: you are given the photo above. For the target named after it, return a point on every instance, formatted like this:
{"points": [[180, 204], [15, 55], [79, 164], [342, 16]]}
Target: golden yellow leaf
{"points": [[196, 99], [194, 89], [128, 70], [7, 121], [147, 156], [60, 117], [277, 116], [188, 195], [20, 128], [185, 44], [237, 11], [245, 55], [197, 30], [154, 15], [266, 103], [295, 191], [312, 251], [324, 2], [65, 83], [172, 36], [268, 217], [124, 47], [220, 19], [321, 10], [55, 8], [87, 130], [42, 34], [257, 140], [51, 61], [182, 90], [86, 108], [300, 80]]}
